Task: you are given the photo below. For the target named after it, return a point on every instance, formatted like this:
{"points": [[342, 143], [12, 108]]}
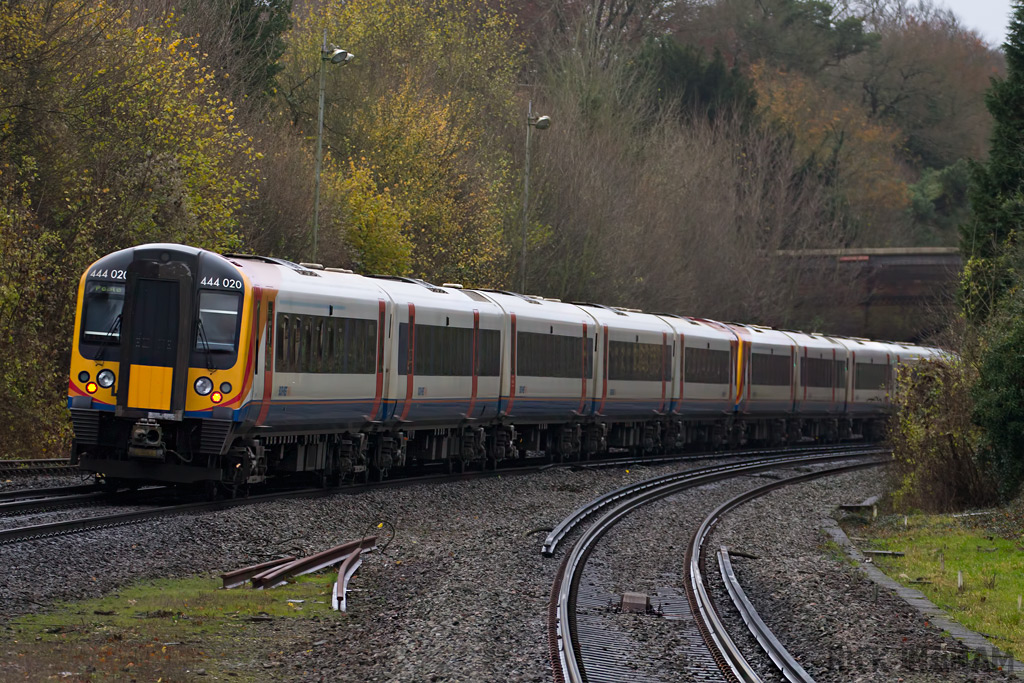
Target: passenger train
{"points": [[191, 367]]}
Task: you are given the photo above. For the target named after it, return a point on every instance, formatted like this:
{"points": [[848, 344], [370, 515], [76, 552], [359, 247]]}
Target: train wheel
{"points": [[232, 491], [109, 485], [210, 490]]}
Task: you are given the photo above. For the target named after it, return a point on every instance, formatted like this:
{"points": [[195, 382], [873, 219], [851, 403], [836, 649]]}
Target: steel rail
{"points": [[708, 455], [731, 661], [122, 519], [582, 513], [774, 648], [351, 564], [51, 502], [562, 638], [73, 526], [237, 577], [36, 466], [278, 576], [26, 494]]}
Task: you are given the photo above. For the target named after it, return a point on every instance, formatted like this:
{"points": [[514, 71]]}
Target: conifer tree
{"points": [[990, 240], [992, 298]]}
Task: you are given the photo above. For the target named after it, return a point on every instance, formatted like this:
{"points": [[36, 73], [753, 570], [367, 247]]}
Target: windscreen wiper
{"points": [[115, 328], [208, 353]]}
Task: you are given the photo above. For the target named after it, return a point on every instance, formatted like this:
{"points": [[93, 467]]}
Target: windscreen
{"points": [[216, 341], [101, 318]]}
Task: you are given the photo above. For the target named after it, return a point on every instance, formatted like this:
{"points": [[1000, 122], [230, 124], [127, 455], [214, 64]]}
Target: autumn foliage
{"points": [[690, 143]]}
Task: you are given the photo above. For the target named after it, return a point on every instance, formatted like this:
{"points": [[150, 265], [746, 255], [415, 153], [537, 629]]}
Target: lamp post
{"points": [[540, 123], [334, 55]]}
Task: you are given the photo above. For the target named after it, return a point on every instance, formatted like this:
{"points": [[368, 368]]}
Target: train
{"points": [[190, 367]]}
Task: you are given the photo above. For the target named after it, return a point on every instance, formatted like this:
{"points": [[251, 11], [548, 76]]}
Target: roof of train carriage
{"points": [[626, 318], [532, 307], [279, 274], [759, 334], [706, 328], [812, 340]]}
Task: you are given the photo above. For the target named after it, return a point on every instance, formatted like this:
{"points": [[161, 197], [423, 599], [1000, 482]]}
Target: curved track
{"points": [[24, 501], [568, 660], [731, 661]]}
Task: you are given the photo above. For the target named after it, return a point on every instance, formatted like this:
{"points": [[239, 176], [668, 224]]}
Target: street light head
{"points": [[542, 122], [336, 55]]}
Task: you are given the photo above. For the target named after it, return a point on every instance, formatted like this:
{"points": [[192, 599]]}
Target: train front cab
{"points": [[157, 367]]}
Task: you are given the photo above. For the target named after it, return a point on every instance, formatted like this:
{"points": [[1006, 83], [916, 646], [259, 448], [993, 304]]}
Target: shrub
{"points": [[936, 466], [999, 394]]}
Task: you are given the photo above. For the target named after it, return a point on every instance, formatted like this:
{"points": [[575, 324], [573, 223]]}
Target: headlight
{"points": [[225, 387], [203, 386], [105, 379], [83, 377]]}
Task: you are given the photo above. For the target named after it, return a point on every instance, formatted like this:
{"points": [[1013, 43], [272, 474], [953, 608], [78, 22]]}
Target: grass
{"points": [[938, 547], [836, 552], [158, 631]]}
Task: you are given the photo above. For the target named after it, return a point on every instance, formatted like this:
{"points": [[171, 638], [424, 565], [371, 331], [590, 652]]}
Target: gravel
{"points": [[460, 593], [828, 615]]}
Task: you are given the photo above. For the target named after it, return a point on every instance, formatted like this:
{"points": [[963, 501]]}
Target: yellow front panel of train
{"points": [[150, 387]]}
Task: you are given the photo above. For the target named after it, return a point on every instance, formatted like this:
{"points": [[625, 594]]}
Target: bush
{"points": [[936, 466], [999, 394]]}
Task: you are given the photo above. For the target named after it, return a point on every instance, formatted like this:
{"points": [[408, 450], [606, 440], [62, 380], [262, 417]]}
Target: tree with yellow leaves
{"points": [[111, 134], [416, 113]]}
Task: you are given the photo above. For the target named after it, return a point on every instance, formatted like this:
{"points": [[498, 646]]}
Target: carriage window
{"points": [[871, 377], [706, 366], [770, 370], [326, 345], [841, 374], [284, 335], [551, 355], [817, 372], [637, 362], [488, 353]]}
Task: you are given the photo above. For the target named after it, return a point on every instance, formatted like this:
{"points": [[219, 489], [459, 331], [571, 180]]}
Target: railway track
{"points": [[29, 500], [90, 523], [54, 501], [29, 494], [53, 466], [582, 650]]}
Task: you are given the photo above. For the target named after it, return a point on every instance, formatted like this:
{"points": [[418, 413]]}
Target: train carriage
{"points": [[633, 392], [443, 374], [547, 373], [320, 348], [821, 386], [189, 366], [703, 371], [767, 386]]}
